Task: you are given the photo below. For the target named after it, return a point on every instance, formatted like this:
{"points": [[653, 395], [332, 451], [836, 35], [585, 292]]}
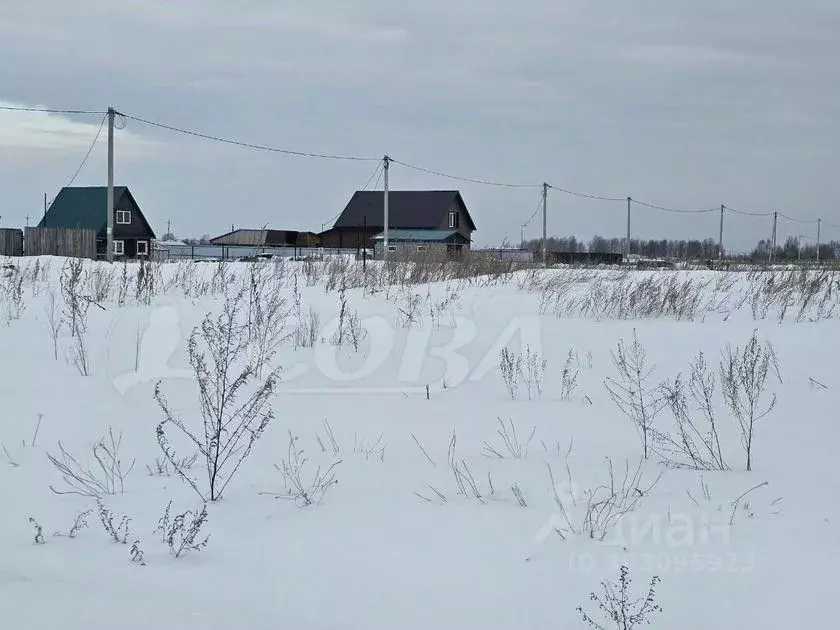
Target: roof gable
{"points": [[407, 209], [86, 207]]}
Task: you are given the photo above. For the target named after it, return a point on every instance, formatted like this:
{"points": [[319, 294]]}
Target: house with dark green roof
{"points": [[86, 207]]}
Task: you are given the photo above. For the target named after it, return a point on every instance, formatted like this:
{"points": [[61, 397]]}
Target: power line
{"points": [[380, 172], [89, 151], [465, 179], [675, 210], [586, 195], [536, 210], [792, 220], [748, 213], [248, 145], [43, 110]]}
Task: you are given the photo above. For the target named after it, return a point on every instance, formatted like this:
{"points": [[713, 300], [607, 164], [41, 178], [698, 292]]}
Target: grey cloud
{"points": [[684, 103]]}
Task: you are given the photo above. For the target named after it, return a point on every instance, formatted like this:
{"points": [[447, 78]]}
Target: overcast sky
{"points": [[683, 103]]}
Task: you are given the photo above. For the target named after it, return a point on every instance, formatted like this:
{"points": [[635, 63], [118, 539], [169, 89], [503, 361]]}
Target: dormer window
{"points": [[124, 217]]}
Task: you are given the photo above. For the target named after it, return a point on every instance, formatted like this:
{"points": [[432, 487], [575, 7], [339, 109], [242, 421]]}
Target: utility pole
{"points": [[819, 225], [109, 241], [521, 235], [45, 209], [545, 226], [627, 243], [27, 220], [720, 239], [773, 244], [386, 163]]}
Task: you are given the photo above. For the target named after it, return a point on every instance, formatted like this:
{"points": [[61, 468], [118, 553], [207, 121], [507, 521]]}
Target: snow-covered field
{"points": [[437, 515]]}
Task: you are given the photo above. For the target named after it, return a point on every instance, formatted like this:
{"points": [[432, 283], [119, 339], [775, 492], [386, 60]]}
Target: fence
{"points": [[72, 242], [171, 252], [11, 242]]}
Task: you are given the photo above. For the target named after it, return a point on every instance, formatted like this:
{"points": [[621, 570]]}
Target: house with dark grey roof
{"points": [[419, 218], [85, 207]]}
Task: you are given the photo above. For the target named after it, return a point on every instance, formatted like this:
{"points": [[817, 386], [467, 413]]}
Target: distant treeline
{"points": [[688, 250]]}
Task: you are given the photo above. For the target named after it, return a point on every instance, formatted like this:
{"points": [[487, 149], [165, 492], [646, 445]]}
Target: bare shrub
{"points": [[146, 282], [510, 443], [54, 320], [162, 468], [518, 495], [218, 355], [99, 282], [11, 289], [39, 532], [182, 533], [465, 481], [618, 607], [569, 377], [633, 392], [136, 554], [75, 312], [308, 325], [410, 309], [267, 316], [119, 531], [509, 366], [373, 450], [533, 370], [329, 442], [124, 284], [527, 368], [349, 329], [744, 381], [601, 509], [79, 523], [696, 444], [300, 487], [106, 478]]}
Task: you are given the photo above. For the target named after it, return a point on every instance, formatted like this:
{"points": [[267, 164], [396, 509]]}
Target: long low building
{"points": [[266, 238]]}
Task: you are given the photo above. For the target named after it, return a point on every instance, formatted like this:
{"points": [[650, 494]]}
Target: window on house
{"points": [[392, 248], [119, 248], [421, 248], [142, 248], [453, 219], [124, 217]]}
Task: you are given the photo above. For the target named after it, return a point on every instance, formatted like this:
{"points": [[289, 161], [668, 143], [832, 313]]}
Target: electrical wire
{"points": [[675, 210], [800, 221], [586, 195], [89, 151], [10, 108], [328, 156], [380, 172], [484, 182], [536, 210], [247, 145], [748, 213]]}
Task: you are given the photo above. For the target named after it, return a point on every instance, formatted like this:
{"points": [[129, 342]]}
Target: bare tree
{"points": [[234, 403], [633, 392], [744, 379]]}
